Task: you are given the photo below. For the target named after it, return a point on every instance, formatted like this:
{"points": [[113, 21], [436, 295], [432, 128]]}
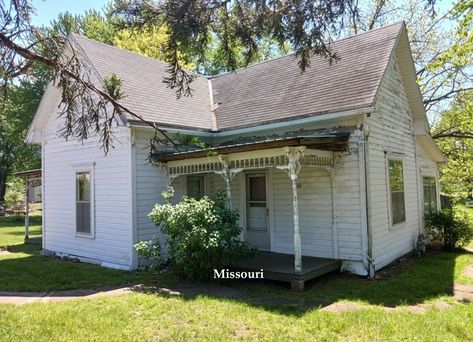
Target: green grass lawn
{"points": [[23, 269], [12, 229], [145, 317], [151, 316]]}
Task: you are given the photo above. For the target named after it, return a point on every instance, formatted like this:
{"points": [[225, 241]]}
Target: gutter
{"points": [[264, 127]]}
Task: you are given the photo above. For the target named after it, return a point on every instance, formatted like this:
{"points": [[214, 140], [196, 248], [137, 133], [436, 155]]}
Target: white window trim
{"points": [[85, 167], [429, 175], [396, 157]]}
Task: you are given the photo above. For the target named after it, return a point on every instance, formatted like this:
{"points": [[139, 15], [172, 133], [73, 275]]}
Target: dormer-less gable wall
{"points": [[391, 136], [111, 241]]}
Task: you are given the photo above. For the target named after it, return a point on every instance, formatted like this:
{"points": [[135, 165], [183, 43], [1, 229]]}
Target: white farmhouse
{"points": [[333, 164]]}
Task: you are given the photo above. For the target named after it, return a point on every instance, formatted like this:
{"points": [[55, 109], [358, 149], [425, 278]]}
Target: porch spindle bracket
{"points": [[227, 173]]}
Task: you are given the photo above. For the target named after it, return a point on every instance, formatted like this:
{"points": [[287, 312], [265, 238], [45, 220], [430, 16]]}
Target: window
{"points": [[195, 186], [396, 191], [83, 203], [430, 195]]}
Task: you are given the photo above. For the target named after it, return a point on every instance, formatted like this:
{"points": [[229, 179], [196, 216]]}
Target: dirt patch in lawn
{"points": [[397, 267], [20, 298], [463, 293], [343, 307], [468, 272], [419, 308]]}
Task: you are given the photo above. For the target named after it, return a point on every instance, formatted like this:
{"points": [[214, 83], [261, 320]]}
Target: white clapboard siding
{"points": [[348, 208], [315, 212], [111, 245], [391, 131], [150, 181]]}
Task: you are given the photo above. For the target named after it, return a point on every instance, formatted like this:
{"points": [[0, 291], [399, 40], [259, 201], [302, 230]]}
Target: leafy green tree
{"points": [[92, 24], [453, 137], [307, 25], [15, 117]]}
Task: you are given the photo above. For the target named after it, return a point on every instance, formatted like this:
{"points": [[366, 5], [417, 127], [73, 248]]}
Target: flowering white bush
{"points": [[149, 252], [202, 234]]}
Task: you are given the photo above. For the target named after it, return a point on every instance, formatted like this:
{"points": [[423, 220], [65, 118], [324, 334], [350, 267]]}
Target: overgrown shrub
{"points": [[202, 235], [149, 253], [452, 226]]}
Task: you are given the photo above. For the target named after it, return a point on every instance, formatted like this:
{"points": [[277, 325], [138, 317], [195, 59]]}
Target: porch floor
{"points": [[280, 267]]}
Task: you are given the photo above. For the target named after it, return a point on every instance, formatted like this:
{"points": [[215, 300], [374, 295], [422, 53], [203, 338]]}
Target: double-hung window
{"points": [[84, 203], [430, 195], [396, 191]]}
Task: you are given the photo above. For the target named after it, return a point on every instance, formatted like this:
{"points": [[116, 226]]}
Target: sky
{"points": [[47, 10]]}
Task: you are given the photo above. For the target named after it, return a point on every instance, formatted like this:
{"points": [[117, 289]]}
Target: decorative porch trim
{"points": [[217, 166], [227, 173], [290, 159]]}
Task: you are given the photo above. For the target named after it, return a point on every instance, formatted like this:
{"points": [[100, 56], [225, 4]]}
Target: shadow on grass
{"points": [[24, 269], [412, 282], [416, 282], [18, 222], [25, 248]]}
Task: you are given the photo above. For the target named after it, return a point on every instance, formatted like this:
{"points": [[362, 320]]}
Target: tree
{"points": [[15, 117], [307, 25], [441, 43], [149, 42], [457, 175], [91, 24]]}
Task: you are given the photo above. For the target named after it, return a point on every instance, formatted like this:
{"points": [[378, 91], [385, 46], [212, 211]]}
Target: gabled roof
{"points": [[146, 94], [262, 93], [276, 90]]}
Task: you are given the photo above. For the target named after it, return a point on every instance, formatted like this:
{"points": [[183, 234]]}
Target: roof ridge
{"points": [[401, 22], [293, 53]]}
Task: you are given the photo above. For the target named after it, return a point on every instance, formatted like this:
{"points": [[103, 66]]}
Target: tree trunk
{"points": [[3, 185]]}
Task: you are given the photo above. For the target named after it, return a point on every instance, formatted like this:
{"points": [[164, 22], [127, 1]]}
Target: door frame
{"points": [[269, 204]]}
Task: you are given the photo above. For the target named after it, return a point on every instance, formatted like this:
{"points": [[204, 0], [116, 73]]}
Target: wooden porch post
{"points": [[293, 168], [227, 173], [27, 215]]}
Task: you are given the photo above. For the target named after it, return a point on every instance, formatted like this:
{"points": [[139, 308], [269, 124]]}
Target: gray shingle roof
{"points": [[146, 94], [276, 90], [265, 92]]}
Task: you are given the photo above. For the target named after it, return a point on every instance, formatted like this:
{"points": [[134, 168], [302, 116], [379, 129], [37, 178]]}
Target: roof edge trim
{"points": [[258, 128]]}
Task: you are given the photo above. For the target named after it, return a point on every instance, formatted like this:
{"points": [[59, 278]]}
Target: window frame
{"points": [[389, 158], [203, 178], [88, 168], [435, 182]]}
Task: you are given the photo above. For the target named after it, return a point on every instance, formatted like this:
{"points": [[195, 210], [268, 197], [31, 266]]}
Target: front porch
{"points": [[280, 267], [285, 191]]}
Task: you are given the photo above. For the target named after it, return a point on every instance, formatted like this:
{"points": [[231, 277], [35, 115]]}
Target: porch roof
{"points": [[29, 174], [326, 140]]}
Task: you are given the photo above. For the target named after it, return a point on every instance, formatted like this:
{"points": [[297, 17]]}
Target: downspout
{"points": [[369, 232], [360, 143], [420, 219], [43, 194]]}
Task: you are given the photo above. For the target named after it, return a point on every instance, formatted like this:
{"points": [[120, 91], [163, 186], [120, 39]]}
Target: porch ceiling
{"points": [[334, 140]]}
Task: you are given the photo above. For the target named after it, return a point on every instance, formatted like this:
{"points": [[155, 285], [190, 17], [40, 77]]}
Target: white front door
{"points": [[257, 232]]}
